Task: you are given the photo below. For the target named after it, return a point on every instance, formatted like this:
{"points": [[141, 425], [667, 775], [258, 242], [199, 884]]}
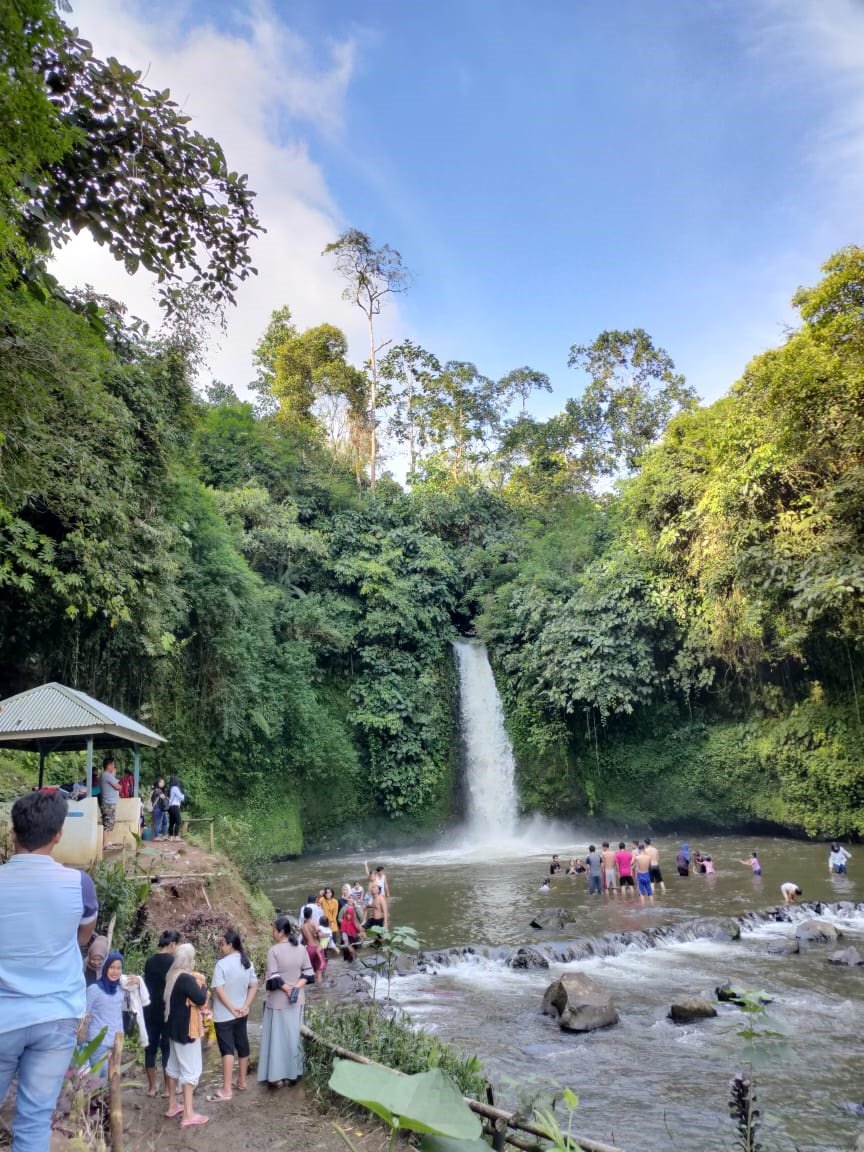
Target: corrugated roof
{"points": [[67, 718]]}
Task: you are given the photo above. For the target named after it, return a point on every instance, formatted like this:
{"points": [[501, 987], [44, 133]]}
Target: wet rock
{"points": [[554, 918], [728, 994], [850, 957], [579, 1004], [406, 964], [725, 929], [785, 947], [816, 932], [525, 958], [691, 1008]]}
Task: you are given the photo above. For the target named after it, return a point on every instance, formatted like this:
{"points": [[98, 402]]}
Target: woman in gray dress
{"points": [[288, 972]]}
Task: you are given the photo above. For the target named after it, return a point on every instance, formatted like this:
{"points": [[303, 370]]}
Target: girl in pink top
{"points": [[624, 864]]}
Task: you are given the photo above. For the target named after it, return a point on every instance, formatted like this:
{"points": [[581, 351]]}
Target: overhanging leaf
{"points": [[425, 1102]]}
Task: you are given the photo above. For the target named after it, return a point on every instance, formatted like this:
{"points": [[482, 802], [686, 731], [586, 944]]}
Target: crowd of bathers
{"points": [[628, 872], [330, 923]]}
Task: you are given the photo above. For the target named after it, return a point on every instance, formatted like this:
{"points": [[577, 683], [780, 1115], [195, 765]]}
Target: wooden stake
{"points": [[115, 1093]]}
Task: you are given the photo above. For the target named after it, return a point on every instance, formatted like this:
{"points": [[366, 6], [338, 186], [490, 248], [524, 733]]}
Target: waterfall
{"points": [[490, 768]]}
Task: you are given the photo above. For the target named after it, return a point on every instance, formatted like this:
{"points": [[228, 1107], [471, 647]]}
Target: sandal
{"points": [[216, 1096], [194, 1121], [177, 1110]]}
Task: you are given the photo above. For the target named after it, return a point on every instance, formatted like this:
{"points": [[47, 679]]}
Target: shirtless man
{"points": [[642, 864], [377, 911], [610, 876], [655, 873], [378, 879], [311, 937]]}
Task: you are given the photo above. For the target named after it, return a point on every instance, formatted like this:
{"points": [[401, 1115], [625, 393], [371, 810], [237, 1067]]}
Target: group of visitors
{"points": [[329, 923], [163, 806], [632, 872]]}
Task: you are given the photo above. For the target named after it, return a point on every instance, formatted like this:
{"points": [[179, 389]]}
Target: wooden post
{"points": [[211, 837], [115, 1093], [110, 935]]}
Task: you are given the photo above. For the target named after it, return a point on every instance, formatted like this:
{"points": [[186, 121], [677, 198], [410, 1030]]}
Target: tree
{"points": [[410, 372], [522, 382], [132, 173], [634, 392], [279, 329], [318, 391], [371, 274]]}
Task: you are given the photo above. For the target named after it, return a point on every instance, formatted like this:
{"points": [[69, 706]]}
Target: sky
{"points": [[548, 169]]}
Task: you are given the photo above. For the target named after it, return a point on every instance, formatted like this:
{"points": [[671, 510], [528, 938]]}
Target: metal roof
{"points": [[67, 719]]}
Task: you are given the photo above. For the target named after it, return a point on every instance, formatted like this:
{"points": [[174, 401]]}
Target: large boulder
{"points": [[851, 957], [691, 1008], [816, 932], [787, 946], [524, 958], [550, 919], [722, 930], [579, 1004]]}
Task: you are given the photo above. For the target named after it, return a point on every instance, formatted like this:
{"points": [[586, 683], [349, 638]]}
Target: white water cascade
{"points": [[490, 775]]}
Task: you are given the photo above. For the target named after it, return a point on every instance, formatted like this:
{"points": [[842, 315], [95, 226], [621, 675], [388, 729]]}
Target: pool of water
{"points": [[645, 1084]]}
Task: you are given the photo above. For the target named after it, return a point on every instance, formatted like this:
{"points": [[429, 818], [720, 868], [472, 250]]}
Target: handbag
{"points": [[130, 1020]]}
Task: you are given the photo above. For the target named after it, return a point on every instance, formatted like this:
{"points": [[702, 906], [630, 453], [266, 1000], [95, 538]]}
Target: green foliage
{"points": [[421, 1102], [388, 1039], [120, 897]]}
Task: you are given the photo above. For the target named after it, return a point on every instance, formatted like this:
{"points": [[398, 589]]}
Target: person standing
{"points": [[105, 1010], [837, 858], [594, 861], [642, 864], [610, 875], [624, 864], [159, 803], [753, 863], [281, 1060], [234, 987], [47, 914], [654, 871], [176, 798], [155, 973], [682, 860], [95, 959], [185, 996], [109, 794]]}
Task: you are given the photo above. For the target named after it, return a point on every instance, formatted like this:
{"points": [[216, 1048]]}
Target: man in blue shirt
{"points": [[47, 912]]}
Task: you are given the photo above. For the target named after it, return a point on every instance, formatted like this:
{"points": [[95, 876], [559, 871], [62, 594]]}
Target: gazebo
{"points": [[54, 718]]}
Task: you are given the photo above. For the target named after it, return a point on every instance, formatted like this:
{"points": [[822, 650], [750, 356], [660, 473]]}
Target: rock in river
{"points": [[851, 957], [527, 958], [579, 1003], [691, 1008], [816, 932], [788, 946], [550, 918]]}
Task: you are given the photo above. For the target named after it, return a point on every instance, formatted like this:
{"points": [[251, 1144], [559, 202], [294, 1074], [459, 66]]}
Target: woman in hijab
{"points": [[185, 996], [95, 959], [288, 972], [682, 860], [105, 1010]]}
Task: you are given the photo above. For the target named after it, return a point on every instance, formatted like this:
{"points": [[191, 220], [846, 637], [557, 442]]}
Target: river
{"points": [[645, 1084]]}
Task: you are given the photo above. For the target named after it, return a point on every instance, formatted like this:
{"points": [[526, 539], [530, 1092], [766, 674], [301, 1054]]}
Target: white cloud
{"points": [[259, 93]]}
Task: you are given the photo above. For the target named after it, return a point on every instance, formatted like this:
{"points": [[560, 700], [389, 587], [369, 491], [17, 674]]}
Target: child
{"points": [[325, 936], [753, 863], [709, 865]]}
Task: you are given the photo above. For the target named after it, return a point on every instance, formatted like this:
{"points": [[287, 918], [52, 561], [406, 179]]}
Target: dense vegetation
{"points": [[672, 593]]}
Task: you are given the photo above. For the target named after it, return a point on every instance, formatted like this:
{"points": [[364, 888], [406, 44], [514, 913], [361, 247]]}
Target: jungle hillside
{"points": [[672, 592]]}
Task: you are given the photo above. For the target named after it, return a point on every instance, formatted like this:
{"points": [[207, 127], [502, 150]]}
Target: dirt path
{"points": [[250, 1122]]}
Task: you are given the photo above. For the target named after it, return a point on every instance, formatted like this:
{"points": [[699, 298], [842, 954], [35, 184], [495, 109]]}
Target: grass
{"points": [[389, 1038]]}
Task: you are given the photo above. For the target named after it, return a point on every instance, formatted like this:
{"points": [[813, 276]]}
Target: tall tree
{"points": [[371, 274], [410, 372], [279, 329], [633, 393]]}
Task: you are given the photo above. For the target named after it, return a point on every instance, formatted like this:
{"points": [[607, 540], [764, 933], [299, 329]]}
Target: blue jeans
{"points": [[595, 885], [40, 1055]]}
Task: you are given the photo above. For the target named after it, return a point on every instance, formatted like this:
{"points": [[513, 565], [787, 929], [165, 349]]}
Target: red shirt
{"points": [[624, 860]]}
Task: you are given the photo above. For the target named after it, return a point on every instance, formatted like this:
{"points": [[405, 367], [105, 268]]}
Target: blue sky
{"points": [[547, 169]]}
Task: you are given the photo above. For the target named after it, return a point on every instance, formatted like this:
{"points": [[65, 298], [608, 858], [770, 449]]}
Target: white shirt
{"points": [[234, 980]]}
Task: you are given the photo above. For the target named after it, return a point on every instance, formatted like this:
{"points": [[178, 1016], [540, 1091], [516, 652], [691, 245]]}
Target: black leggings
{"points": [[174, 820], [157, 1034]]}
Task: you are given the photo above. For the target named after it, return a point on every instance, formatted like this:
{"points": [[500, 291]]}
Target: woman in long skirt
{"points": [[288, 972]]}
